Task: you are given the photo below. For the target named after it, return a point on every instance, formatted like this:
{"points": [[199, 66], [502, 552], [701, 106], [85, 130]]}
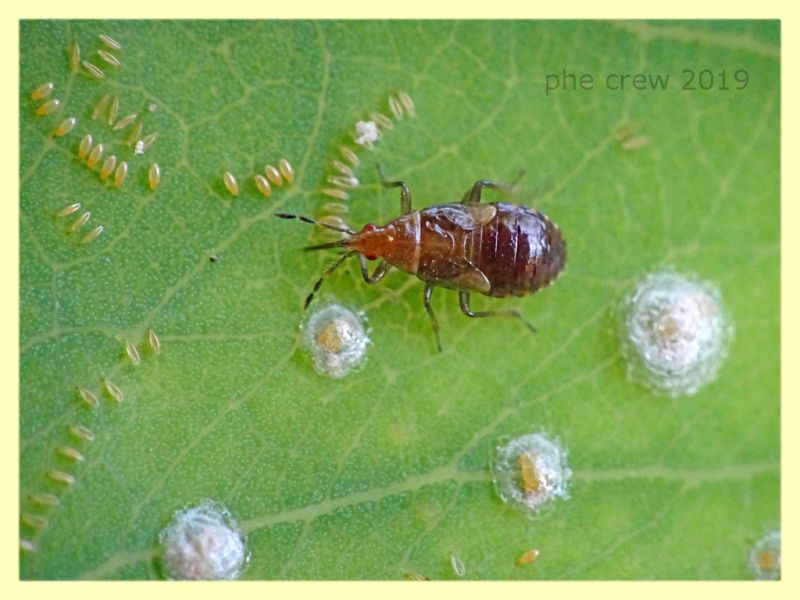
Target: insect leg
{"points": [[429, 308], [405, 193], [380, 271], [473, 195], [463, 298], [325, 275]]}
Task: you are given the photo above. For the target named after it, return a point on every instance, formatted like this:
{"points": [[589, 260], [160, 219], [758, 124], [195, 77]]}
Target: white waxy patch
{"points": [[203, 543], [765, 557], [367, 133], [531, 471], [336, 340], [674, 333]]}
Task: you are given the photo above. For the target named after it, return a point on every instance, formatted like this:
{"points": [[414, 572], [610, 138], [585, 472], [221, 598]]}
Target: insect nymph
{"points": [[497, 249]]}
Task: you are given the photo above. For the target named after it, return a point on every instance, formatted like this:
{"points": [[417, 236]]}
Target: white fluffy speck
{"points": [[367, 133]]}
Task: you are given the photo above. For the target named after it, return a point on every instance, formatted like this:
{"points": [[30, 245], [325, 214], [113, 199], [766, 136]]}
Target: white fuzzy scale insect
{"points": [[336, 340], [531, 471], [674, 333], [203, 543]]}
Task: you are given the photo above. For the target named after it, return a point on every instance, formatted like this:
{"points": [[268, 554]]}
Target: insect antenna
{"points": [[326, 274], [311, 221], [336, 244]]}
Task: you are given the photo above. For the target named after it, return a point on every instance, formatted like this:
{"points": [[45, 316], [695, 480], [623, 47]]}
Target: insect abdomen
{"points": [[520, 251], [515, 251]]}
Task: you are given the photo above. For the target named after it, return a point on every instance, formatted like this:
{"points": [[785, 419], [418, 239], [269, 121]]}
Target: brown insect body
{"points": [[498, 249]]}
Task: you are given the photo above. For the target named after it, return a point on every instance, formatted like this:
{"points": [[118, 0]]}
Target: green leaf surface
{"points": [[387, 470]]}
